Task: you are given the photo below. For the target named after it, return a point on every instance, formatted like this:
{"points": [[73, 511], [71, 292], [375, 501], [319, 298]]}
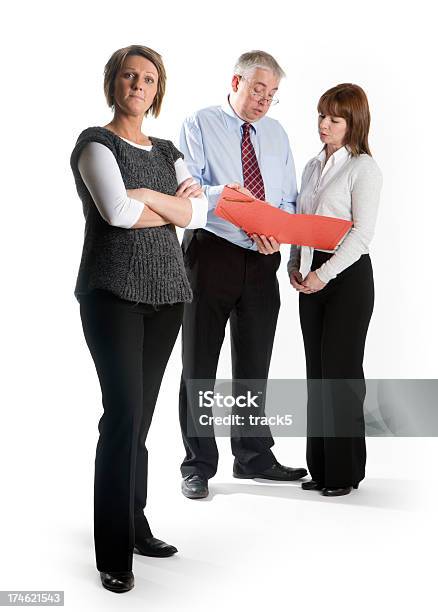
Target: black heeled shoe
{"points": [[117, 582], [312, 485], [336, 492], [153, 547]]}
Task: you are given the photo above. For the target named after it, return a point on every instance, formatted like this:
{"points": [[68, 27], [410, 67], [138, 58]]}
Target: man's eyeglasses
{"points": [[270, 100]]}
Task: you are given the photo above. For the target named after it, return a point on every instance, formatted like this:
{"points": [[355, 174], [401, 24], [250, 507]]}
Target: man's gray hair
{"points": [[252, 60]]}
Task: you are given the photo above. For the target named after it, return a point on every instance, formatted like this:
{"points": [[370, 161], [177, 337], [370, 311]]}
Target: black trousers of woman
{"points": [[130, 344], [334, 322]]}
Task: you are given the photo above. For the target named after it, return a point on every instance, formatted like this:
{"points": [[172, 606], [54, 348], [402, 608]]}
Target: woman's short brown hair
{"points": [[115, 63], [350, 102]]}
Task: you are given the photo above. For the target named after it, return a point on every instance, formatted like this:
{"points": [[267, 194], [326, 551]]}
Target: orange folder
{"points": [[258, 217]]}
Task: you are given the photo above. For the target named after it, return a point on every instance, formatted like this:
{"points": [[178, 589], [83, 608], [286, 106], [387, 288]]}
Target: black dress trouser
{"points": [[130, 344], [334, 322], [229, 283]]}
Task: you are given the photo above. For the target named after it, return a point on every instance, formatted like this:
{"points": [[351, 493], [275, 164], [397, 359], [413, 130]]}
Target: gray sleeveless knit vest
{"points": [[139, 265]]}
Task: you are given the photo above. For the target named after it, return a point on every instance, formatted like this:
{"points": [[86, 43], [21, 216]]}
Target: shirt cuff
{"points": [[292, 265], [199, 212], [131, 214], [324, 275], [213, 193]]}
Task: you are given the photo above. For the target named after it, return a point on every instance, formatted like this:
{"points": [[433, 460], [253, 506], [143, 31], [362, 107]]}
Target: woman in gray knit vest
{"points": [[132, 287], [337, 291]]}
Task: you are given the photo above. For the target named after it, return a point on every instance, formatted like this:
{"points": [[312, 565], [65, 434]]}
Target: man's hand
{"points": [[313, 283], [189, 189], [238, 187], [266, 246]]}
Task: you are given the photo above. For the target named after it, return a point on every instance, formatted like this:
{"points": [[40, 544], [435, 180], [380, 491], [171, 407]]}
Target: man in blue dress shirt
{"points": [[233, 275]]}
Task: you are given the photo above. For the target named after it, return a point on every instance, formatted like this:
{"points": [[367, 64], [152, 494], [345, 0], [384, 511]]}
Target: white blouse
{"points": [[347, 187], [101, 174]]}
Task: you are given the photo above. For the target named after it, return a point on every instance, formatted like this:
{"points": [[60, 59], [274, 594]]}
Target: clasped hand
{"points": [[311, 284]]}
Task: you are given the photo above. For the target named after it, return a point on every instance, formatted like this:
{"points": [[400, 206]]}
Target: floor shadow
{"points": [[178, 564], [386, 494]]}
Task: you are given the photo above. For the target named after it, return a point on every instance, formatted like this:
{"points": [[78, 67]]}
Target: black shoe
{"points": [[275, 472], [330, 492], [118, 582], [194, 486], [312, 485], [153, 547]]}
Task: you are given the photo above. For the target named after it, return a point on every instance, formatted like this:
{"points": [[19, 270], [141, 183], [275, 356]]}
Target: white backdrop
{"points": [[53, 55]]}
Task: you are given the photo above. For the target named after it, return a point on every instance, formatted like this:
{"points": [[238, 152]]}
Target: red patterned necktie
{"points": [[252, 179]]}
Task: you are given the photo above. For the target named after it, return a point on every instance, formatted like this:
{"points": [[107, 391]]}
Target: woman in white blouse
{"points": [[337, 291]]}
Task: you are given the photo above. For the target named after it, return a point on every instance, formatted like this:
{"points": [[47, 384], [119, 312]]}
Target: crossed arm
{"points": [[139, 208], [160, 209]]}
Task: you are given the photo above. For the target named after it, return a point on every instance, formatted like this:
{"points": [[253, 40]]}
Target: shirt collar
{"points": [[338, 156], [232, 119]]}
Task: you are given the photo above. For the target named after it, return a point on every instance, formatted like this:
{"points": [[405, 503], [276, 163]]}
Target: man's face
{"points": [[251, 95]]}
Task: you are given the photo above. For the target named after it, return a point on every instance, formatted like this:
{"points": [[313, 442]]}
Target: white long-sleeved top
{"points": [[101, 174], [347, 187]]}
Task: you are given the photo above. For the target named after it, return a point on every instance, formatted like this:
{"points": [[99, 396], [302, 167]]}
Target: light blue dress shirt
{"points": [[211, 142]]}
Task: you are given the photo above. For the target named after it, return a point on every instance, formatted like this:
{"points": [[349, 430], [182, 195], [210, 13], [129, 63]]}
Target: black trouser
{"points": [[130, 345], [228, 282], [334, 322]]}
